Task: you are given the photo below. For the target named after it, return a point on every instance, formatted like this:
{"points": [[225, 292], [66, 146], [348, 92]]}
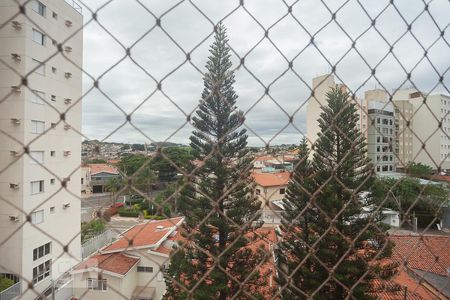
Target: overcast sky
{"points": [[159, 116]]}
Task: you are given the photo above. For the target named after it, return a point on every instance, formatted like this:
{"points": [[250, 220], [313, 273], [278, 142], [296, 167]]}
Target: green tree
{"points": [[130, 163], [168, 163], [220, 209], [419, 170], [410, 198], [113, 185], [332, 224]]}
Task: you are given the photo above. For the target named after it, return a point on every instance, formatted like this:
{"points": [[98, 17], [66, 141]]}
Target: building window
{"points": [[37, 187], [38, 97], [378, 168], [52, 153], [258, 192], [41, 251], [378, 139], [37, 126], [42, 271], [52, 210], [38, 37], [378, 120], [37, 157], [38, 66], [55, 16], [52, 181], [38, 7], [145, 269], [37, 217], [96, 284], [282, 191]]}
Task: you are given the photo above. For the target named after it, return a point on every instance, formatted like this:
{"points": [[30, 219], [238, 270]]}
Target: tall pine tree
{"points": [[325, 217], [220, 203]]}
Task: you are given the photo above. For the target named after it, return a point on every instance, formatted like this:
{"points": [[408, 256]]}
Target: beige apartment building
{"points": [[321, 85], [429, 127], [39, 146]]}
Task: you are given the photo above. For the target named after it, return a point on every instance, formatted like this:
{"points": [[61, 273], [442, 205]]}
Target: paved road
{"points": [[89, 205]]}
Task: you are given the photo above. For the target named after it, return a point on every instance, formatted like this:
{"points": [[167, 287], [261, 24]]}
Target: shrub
{"points": [[5, 283], [91, 229], [128, 212]]}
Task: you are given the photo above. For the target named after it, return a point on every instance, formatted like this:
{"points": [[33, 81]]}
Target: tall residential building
{"points": [[403, 111], [321, 85], [381, 135], [40, 148], [429, 126]]}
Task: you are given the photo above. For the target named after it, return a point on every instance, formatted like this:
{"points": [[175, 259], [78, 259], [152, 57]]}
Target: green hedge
{"points": [[128, 212], [152, 217], [5, 283]]}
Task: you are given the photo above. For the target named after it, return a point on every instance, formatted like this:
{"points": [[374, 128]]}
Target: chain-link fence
{"points": [[201, 135]]}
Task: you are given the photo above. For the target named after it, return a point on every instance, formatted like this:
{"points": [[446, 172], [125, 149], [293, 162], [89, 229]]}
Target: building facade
{"points": [[40, 148], [428, 129], [381, 135]]}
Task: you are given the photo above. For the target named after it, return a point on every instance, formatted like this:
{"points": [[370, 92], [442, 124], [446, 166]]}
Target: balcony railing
{"points": [[11, 292]]}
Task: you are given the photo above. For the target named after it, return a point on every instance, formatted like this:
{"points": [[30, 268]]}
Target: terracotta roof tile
{"points": [[430, 253], [118, 263], [98, 168], [144, 235], [272, 179]]}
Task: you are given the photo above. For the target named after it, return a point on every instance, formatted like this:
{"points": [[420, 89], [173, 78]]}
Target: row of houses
{"points": [[132, 267]]}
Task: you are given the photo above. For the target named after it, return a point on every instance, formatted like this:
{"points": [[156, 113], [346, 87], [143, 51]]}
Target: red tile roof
{"points": [[118, 263], [394, 289], [428, 253], [98, 168], [145, 235], [264, 158], [271, 179]]}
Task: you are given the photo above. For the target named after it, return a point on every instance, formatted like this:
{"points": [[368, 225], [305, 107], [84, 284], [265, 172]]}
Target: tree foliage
{"points": [[419, 170], [219, 205], [410, 197], [325, 227]]}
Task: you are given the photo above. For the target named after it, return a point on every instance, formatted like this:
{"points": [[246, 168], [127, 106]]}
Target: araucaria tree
{"points": [[216, 261], [332, 242]]}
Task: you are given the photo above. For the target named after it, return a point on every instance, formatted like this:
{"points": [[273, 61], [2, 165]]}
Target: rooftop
{"points": [[272, 179], [118, 263], [427, 253], [98, 168], [146, 235]]}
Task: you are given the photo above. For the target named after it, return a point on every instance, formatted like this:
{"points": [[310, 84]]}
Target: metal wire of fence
{"points": [[19, 219]]}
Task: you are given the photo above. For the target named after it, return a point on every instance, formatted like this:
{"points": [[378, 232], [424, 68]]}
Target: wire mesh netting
{"points": [[212, 162]]}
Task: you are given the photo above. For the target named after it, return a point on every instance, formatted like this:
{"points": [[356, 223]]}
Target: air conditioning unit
{"points": [[16, 89], [17, 25], [15, 153], [67, 127], [16, 57], [67, 101], [15, 121], [66, 205], [66, 153], [68, 23], [14, 186], [68, 75], [14, 218], [68, 49]]}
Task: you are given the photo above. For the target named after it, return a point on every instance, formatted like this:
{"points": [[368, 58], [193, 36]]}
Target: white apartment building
{"points": [[430, 143], [40, 149]]}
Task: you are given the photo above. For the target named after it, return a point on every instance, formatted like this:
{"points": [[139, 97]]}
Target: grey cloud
{"points": [[128, 86]]}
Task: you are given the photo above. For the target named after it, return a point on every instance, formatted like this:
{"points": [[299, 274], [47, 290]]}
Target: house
{"points": [[100, 174], [132, 266], [271, 188]]}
